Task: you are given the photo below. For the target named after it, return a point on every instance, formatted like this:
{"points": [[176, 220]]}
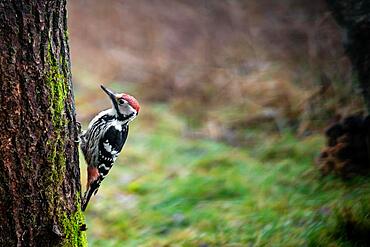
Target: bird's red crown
{"points": [[132, 101]]}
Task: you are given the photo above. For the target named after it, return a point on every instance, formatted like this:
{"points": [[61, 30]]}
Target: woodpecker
{"points": [[104, 138]]}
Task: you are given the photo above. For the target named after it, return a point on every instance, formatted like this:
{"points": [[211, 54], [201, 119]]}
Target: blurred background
{"points": [[235, 96]]}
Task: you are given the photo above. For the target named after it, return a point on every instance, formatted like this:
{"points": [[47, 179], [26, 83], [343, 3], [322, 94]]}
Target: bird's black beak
{"points": [[109, 92]]}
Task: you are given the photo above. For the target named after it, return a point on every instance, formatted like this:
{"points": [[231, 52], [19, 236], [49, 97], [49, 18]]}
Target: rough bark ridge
{"points": [[354, 17], [39, 172]]}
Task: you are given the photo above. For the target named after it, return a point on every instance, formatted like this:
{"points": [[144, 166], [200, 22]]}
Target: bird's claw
{"points": [[78, 126]]}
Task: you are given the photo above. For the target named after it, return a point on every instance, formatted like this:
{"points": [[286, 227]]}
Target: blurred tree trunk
{"points": [[354, 17], [39, 171]]}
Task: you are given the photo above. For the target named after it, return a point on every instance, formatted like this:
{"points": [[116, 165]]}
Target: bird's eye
{"points": [[121, 101]]}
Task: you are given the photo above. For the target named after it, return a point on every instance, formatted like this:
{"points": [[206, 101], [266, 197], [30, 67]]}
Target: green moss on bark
{"points": [[57, 82], [58, 87], [71, 227]]}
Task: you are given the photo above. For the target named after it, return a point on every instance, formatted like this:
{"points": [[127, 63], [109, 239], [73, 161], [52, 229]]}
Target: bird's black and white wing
{"points": [[110, 146]]}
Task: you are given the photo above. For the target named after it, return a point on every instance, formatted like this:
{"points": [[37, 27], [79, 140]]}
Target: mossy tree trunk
{"points": [[354, 17], [39, 172]]}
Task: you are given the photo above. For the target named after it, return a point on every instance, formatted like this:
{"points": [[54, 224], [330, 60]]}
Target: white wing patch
{"points": [[109, 149], [107, 146]]}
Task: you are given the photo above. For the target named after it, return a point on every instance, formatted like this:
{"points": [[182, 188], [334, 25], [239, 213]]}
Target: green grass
{"points": [[169, 190]]}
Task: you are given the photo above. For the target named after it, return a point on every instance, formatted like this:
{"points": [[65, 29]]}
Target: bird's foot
{"points": [[79, 132], [78, 126]]}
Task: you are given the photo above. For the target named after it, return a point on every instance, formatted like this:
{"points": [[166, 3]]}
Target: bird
{"points": [[104, 139]]}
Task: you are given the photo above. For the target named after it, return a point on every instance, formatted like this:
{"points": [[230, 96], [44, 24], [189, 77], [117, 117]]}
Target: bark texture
{"points": [[39, 171], [354, 17]]}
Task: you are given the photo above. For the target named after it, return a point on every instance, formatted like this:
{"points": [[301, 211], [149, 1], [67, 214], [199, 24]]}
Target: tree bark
{"points": [[354, 17], [39, 170]]}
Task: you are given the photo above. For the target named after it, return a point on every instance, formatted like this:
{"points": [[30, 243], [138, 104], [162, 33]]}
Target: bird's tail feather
{"points": [[91, 190]]}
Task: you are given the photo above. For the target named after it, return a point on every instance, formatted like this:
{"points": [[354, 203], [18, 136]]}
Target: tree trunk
{"points": [[354, 17], [39, 170]]}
